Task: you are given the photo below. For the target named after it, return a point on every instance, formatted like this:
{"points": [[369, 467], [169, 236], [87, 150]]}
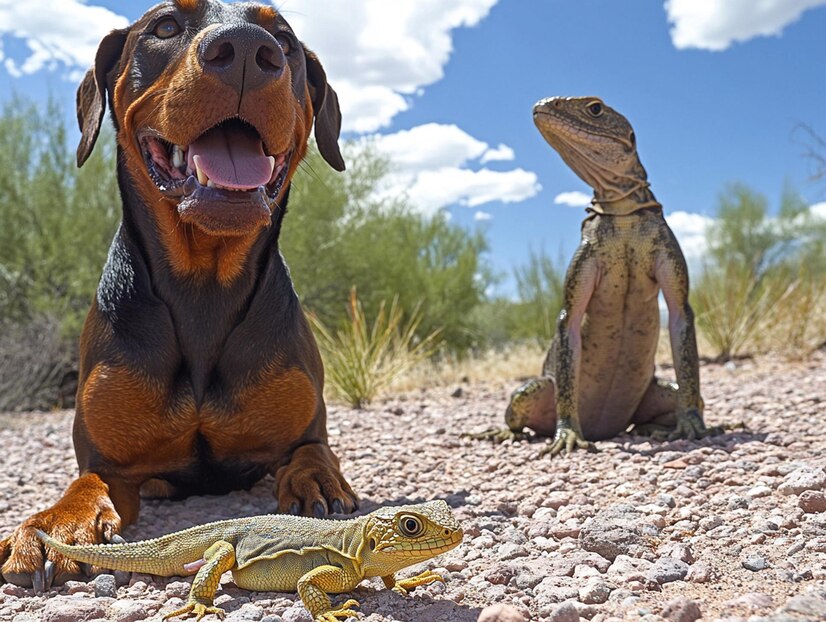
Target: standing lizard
{"points": [[598, 377], [279, 553]]}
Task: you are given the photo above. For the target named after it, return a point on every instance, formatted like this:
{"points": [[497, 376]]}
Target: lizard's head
{"points": [[397, 537], [596, 141]]}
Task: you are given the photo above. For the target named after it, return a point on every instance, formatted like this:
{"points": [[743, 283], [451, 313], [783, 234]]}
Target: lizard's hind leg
{"points": [[218, 558]]}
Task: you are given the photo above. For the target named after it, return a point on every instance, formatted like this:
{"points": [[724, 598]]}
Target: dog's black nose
{"points": [[244, 56]]}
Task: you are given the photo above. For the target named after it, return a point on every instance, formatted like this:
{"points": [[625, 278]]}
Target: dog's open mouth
{"points": [[224, 169]]}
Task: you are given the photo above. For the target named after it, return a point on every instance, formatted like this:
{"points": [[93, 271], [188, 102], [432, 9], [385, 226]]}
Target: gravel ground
{"points": [[730, 528]]}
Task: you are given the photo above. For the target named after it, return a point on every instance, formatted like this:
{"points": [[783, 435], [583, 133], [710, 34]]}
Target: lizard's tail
{"points": [[164, 556]]}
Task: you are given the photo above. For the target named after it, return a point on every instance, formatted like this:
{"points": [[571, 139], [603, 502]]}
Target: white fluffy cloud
{"points": [[432, 169], [573, 199], [819, 210], [378, 54], [59, 35], [690, 229], [716, 24], [502, 153], [482, 216]]}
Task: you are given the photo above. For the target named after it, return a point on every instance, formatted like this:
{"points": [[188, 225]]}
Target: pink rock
{"points": [[500, 613], [812, 501], [73, 609]]}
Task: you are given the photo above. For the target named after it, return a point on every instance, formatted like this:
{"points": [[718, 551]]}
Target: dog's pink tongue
{"points": [[232, 156]]}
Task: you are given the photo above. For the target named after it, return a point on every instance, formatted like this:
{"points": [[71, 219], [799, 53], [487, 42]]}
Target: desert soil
{"points": [[730, 528]]}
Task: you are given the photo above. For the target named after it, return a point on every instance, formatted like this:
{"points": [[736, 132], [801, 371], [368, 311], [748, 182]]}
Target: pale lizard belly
{"points": [[619, 342]]}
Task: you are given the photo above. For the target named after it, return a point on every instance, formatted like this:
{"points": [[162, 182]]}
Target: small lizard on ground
{"points": [[598, 377], [279, 553]]}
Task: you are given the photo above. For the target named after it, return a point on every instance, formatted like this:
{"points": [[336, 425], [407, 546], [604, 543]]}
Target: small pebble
{"points": [[501, 613], [682, 609], [105, 586], [812, 501], [755, 563]]}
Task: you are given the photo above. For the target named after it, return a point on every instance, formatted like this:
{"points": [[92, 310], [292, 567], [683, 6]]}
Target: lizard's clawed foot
{"points": [[405, 586], [565, 441], [689, 426], [497, 436], [199, 609], [342, 612]]}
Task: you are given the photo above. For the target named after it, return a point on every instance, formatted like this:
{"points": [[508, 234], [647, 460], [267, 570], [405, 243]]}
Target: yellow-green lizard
{"points": [[279, 553]]}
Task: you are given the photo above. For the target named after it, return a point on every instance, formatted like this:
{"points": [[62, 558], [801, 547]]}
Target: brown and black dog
{"points": [[198, 371]]}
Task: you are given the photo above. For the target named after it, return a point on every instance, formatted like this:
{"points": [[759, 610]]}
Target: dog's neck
{"points": [[204, 307]]}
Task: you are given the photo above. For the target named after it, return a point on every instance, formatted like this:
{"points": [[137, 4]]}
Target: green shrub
{"points": [[762, 288], [361, 360], [57, 220], [339, 235]]}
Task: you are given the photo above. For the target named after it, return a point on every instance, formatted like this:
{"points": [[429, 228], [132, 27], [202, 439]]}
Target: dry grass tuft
{"points": [[505, 365], [361, 360]]}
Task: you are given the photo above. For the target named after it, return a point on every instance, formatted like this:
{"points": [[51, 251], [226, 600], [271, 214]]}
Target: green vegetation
{"points": [[362, 360], [763, 286], [338, 235], [58, 220]]}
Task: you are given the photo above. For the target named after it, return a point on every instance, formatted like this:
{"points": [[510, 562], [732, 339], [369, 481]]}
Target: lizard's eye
{"points": [[410, 526], [595, 108], [632, 138]]}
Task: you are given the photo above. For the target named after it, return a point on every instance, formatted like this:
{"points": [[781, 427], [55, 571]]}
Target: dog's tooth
{"points": [[272, 164], [210, 184], [203, 179], [177, 157]]}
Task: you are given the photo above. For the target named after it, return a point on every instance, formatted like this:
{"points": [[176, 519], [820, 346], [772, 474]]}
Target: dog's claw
{"points": [[319, 511], [39, 581], [338, 506], [117, 539], [49, 568]]}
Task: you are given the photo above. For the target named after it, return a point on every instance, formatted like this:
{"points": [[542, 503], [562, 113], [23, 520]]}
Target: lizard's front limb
{"points": [[218, 558], [313, 588], [580, 282], [405, 586], [671, 274]]}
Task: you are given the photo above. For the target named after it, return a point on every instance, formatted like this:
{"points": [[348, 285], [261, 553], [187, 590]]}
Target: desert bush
{"points": [[529, 317], [362, 359], [762, 286], [796, 326], [35, 365], [57, 220], [732, 308], [340, 234]]}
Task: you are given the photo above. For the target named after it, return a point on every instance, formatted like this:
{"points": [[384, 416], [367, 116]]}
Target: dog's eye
{"points": [[167, 28], [285, 43], [595, 109]]}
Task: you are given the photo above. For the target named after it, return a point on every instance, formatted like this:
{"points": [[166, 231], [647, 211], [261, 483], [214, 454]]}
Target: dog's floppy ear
{"points": [[326, 111], [91, 94]]}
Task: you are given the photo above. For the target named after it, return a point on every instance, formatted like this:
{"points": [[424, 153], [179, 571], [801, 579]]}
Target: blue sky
{"points": [[714, 88]]}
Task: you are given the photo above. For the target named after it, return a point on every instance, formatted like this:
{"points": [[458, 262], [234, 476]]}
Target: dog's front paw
{"points": [[85, 515], [312, 484]]}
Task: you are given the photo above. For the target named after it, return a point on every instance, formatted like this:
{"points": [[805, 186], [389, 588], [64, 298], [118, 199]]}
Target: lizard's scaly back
{"points": [[397, 537]]}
